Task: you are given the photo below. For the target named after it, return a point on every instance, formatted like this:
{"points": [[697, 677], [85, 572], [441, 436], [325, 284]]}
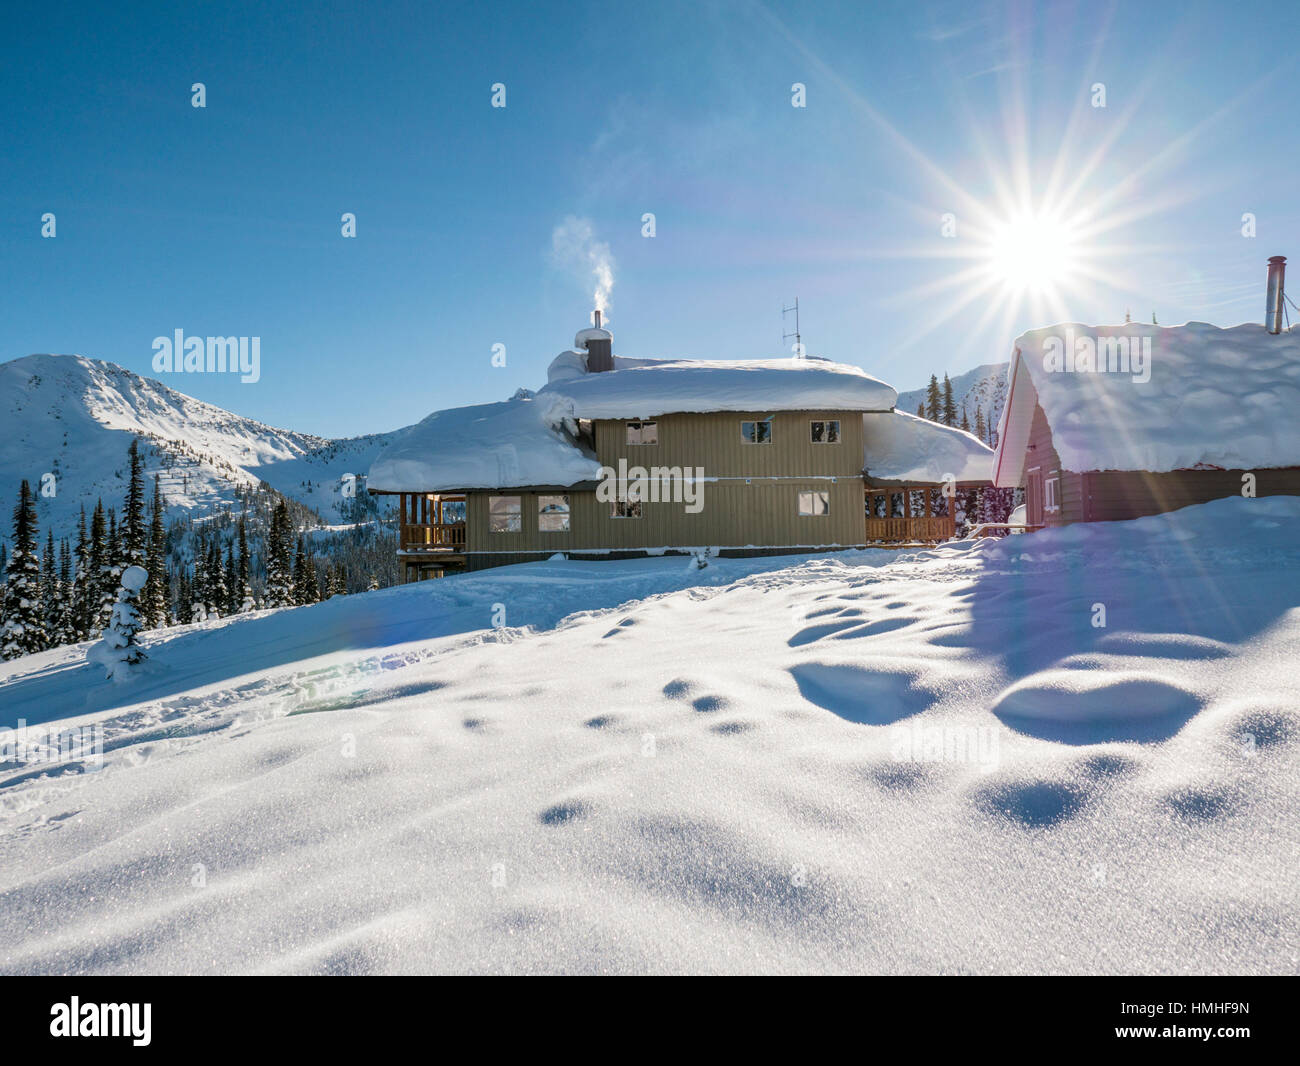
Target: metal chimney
{"points": [[1276, 293], [598, 343]]}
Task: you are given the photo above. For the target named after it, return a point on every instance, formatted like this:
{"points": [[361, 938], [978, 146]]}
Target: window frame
{"points": [[756, 422], [640, 431], [812, 494], [567, 513], [517, 513], [824, 423], [627, 506], [1052, 493]]}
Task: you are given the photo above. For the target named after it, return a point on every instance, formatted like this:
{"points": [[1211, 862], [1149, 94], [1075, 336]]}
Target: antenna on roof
{"points": [[798, 340]]}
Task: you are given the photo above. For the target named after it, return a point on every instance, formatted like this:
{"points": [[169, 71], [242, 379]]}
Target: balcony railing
{"points": [[433, 537], [910, 530]]}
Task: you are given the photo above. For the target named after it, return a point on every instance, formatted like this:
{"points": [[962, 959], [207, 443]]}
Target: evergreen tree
{"points": [[111, 577], [243, 590], [184, 597], [83, 596], [233, 599], [279, 560], [100, 587], [920, 410], [933, 401], [215, 582], [949, 407], [134, 531], [119, 652], [67, 633], [24, 630], [196, 607], [965, 422], [51, 594], [305, 589], [157, 596], [981, 430]]}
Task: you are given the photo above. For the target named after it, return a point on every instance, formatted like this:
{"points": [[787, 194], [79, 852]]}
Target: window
{"points": [[643, 432], [756, 432], [553, 514], [1052, 493], [625, 509], [505, 514], [812, 504], [826, 432]]}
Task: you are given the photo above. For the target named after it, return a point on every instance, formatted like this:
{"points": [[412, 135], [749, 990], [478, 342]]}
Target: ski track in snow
{"points": [[653, 769]]}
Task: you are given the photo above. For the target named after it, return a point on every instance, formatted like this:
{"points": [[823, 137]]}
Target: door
{"points": [[1034, 497]]}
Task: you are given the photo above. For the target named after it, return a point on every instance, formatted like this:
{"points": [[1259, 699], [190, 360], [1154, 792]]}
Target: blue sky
{"points": [[226, 220]]}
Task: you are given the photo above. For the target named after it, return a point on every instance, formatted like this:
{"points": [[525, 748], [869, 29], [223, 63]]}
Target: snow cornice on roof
{"points": [[646, 388]]}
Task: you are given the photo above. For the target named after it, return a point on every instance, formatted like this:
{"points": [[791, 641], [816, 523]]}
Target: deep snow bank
{"points": [[931, 761]]}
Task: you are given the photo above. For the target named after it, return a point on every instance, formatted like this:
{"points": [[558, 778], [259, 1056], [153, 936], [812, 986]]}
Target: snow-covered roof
{"points": [[903, 447], [523, 441], [532, 439], [644, 388], [1215, 397]]}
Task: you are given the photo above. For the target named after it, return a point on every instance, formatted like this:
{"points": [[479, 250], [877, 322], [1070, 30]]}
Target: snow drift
{"points": [[867, 772]]}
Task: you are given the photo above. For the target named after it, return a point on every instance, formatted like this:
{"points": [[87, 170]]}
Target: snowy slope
{"points": [[983, 388], [918, 762], [75, 417]]}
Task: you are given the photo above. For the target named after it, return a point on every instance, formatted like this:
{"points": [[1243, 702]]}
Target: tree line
{"points": [[940, 406], [263, 557]]}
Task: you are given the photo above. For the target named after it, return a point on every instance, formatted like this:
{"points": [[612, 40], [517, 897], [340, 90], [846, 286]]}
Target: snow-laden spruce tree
{"points": [[135, 532], [119, 652], [279, 559], [24, 627]]}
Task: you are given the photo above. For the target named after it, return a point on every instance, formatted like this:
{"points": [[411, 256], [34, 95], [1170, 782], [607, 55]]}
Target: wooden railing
{"points": [[449, 537], [934, 528]]}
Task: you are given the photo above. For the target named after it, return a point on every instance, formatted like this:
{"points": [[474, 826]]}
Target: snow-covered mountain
{"points": [[982, 389], [74, 418]]}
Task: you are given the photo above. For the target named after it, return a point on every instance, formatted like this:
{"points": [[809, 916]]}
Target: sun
{"points": [[1032, 252]]}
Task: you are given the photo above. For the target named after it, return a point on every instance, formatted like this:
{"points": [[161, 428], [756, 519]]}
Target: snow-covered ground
{"points": [[869, 761]]}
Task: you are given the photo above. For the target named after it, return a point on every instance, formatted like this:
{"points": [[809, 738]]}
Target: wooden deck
{"points": [[431, 534], [449, 537], [912, 530], [901, 525]]}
